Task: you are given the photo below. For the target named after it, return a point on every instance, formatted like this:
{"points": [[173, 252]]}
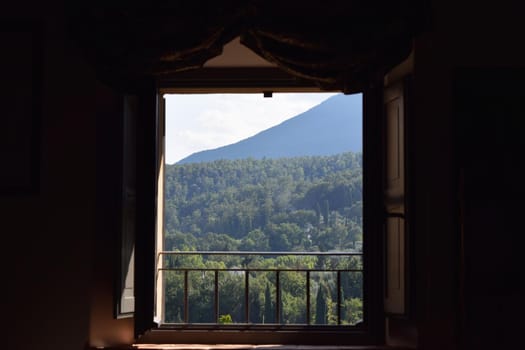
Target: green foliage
{"points": [[225, 319], [269, 204], [352, 310], [295, 204]]}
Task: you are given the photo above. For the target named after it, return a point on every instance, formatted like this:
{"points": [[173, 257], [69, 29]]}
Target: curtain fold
{"points": [[336, 44]]}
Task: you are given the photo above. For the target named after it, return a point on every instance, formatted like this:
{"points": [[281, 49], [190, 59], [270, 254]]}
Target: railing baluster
{"points": [[277, 297], [308, 297], [216, 296], [247, 296], [339, 297], [186, 306]]}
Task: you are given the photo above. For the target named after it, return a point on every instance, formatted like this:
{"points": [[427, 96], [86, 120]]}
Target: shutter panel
{"points": [[126, 300], [146, 220], [394, 200], [395, 265]]}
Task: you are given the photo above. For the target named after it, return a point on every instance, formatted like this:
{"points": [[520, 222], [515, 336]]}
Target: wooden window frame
{"points": [[149, 169]]}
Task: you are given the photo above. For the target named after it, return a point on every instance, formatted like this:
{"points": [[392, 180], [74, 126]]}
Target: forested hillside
{"points": [[304, 204]]}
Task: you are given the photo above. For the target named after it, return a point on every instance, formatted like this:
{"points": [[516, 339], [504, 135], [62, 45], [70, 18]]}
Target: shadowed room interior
{"points": [[67, 68]]}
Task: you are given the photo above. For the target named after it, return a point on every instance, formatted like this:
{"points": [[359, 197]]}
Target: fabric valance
{"points": [[336, 44]]}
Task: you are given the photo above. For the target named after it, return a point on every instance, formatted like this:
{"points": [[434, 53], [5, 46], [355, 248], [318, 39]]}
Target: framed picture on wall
{"points": [[20, 115]]}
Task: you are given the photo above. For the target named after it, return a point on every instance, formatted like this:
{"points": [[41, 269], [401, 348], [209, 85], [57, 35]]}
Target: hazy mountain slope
{"points": [[334, 126]]}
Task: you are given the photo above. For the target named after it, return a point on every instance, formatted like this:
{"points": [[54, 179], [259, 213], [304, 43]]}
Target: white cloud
{"points": [[200, 122]]}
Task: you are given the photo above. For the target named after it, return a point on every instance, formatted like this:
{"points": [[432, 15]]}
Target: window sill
{"points": [[246, 347]]}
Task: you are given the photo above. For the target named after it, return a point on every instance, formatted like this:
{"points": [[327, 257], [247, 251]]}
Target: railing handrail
{"points": [[275, 253], [256, 269]]}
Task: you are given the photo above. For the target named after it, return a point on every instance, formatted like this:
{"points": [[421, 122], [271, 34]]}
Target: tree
{"points": [[255, 240], [353, 310], [255, 309], [269, 311], [326, 212], [320, 305]]}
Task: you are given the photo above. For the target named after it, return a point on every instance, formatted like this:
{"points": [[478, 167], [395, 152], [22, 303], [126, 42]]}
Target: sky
{"points": [[197, 122]]}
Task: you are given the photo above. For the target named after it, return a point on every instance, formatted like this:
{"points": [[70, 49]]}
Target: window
{"points": [[265, 226], [323, 52], [149, 304]]}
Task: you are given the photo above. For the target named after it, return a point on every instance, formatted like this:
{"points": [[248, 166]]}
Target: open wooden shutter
{"points": [[159, 236], [394, 200], [146, 220], [126, 296]]}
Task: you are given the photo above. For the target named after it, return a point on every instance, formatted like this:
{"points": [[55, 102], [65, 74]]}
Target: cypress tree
{"points": [[255, 310], [269, 314], [320, 306]]}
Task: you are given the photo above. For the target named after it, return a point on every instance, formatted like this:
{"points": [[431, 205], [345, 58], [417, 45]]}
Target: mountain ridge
{"points": [[331, 127]]}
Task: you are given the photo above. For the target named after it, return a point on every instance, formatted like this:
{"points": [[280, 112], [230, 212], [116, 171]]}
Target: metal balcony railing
{"points": [[339, 272]]}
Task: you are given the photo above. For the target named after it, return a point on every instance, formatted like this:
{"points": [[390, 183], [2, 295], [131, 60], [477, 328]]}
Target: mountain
{"points": [[333, 126]]}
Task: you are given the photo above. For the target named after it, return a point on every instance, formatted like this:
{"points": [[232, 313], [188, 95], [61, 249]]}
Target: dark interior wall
{"points": [[46, 266], [490, 153], [51, 243], [464, 35]]}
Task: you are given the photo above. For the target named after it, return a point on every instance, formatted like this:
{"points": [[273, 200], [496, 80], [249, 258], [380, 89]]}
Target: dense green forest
{"points": [[301, 204]]}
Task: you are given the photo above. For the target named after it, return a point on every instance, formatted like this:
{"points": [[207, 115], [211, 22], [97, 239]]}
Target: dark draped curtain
{"points": [[336, 44]]}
